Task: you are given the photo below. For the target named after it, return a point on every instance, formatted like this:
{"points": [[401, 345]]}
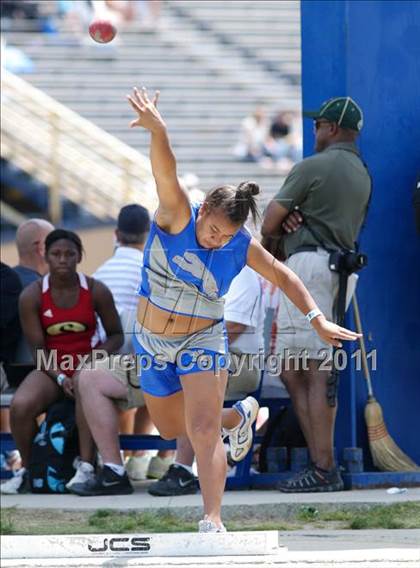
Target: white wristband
{"points": [[60, 379], [313, 314]]}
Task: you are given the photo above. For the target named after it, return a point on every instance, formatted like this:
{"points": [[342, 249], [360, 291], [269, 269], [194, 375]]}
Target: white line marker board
{"points": [[249, 543]]}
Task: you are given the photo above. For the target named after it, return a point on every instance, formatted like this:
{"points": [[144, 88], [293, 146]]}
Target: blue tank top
{"points": [[182, 277]]}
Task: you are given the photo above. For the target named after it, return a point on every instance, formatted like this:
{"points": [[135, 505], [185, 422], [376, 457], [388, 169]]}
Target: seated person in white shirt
{"points": [[122, 272], [244, 317]]}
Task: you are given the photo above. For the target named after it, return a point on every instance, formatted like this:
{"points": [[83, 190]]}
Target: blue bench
{"points": [[242, 479]]}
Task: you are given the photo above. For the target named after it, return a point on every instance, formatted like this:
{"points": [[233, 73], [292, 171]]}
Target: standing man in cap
{"points": [[320, 208]]}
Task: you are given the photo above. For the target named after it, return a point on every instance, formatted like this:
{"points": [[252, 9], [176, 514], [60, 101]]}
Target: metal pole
{"points": [[127, 180], [54, 201]]}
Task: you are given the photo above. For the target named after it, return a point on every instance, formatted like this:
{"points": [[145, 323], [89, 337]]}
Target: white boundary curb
{"points": [[249, 543]]}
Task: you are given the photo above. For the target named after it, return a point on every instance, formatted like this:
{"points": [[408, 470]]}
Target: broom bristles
{"points": [[386, 455]]}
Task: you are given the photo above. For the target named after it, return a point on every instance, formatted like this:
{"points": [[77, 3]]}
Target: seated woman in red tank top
{"points": [[58, 315]]}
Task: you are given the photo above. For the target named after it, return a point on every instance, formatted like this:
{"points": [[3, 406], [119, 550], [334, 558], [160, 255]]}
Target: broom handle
{"points": [[359, 329]]}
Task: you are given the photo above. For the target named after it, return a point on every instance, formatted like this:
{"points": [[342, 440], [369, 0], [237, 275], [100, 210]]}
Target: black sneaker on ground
{"points": [[106, 483], [313, 480], [176, 481]]}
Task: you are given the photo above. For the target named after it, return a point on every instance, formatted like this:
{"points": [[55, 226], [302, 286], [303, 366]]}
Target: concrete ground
{"points": [[259, 500]]}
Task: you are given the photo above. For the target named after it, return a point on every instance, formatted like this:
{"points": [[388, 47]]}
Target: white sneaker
{"points": [[207, 526], [16, 484], [240, 438], [137, 467], [84, 472], [13, 460], [159, 466]]}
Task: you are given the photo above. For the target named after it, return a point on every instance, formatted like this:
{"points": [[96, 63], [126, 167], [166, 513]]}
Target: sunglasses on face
{"points": [[319, 123]]}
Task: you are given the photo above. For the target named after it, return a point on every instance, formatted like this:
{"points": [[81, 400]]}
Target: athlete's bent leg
{"points": [[167, 413]]}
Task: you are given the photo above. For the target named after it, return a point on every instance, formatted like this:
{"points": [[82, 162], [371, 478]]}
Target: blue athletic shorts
{"points": [[160, 366]]}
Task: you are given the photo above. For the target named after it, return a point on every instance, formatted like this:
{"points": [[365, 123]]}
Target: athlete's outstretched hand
{"points": [[147, 113], [333, 333]]}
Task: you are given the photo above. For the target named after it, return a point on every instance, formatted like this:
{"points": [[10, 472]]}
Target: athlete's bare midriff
{"points": [[162, 322]]}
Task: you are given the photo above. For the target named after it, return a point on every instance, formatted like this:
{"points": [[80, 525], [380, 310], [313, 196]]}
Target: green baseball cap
{"points": [[342, 110]]}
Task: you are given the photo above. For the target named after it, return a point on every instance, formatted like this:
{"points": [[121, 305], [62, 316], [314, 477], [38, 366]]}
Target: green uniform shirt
{"points": [[332, 190]]}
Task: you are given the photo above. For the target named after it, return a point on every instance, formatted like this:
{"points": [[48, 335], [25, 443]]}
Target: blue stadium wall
{"points": [[370, 50]]}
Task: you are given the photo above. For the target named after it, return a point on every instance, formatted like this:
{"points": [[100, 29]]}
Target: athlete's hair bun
{"points": [[236, 202], [248, 188]]}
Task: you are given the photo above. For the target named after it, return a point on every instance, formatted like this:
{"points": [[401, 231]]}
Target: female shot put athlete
{"points": [[192, 254]]}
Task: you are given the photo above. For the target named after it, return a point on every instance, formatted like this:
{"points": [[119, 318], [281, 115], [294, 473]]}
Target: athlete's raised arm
{"points": [[174, 210], [280, 275]]}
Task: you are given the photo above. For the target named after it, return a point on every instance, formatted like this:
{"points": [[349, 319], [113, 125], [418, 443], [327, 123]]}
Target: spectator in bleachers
{"points": [[80, 12], [10, 333], [282, 145], [120, 11], [244, 317], [76, 15], [146, 13], [18, 9], [253, 135], [34, 15], [58, 317], [132, 229]]}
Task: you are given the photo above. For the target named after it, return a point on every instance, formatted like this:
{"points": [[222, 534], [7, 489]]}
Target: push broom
{"points": [[386, 455]]}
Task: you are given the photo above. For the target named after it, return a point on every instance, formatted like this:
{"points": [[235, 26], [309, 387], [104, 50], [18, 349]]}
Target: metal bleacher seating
{"points": [[213, 61]]}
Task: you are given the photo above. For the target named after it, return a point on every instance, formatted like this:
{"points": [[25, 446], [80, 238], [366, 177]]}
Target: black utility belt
{"points": [[344, 261]]}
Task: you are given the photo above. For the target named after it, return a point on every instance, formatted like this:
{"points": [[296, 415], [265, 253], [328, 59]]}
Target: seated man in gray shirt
{"points": [[30, 239], [332, 190], [30, 244]]}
